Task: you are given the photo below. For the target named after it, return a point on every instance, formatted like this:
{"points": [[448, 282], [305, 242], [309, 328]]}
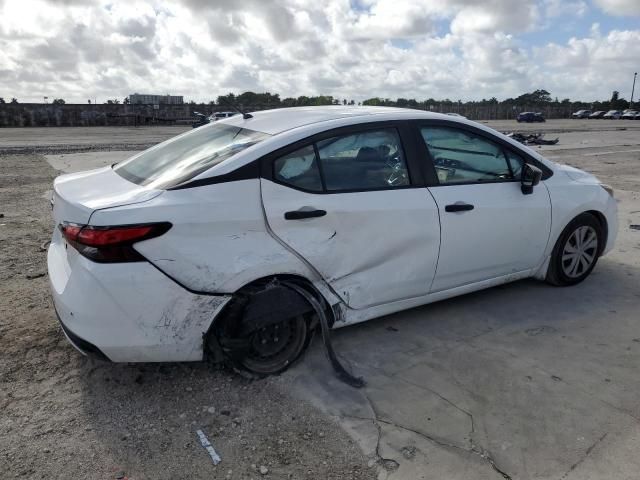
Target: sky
{"points": [[351, 49]]}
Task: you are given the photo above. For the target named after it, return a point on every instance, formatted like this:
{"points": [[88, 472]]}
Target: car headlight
{"points": [[608, 188]]}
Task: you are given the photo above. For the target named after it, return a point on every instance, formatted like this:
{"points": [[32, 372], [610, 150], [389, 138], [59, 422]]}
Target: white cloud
{"points": [[557, 8], [620, 7], [596, 65], [460, 49]]}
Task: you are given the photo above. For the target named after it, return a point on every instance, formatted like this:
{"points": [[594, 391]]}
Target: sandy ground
{"points": [[65, 416], [522, 381]]}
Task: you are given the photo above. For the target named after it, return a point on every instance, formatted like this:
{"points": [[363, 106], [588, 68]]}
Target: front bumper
{"points": [[130, 312], [611, 214]]}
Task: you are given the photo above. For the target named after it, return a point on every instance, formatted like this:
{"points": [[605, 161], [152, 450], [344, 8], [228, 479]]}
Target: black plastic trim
{"points": [[80, 343], [302, 214], [459, 207], [246, 172]]}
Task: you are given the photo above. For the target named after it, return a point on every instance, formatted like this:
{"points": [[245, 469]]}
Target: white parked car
{"points": [[195, 247]]}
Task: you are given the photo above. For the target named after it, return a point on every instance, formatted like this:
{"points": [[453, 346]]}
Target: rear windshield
{"points": [[183, 157]]}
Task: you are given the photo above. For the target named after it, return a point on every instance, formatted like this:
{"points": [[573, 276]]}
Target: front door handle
{"points": [[300, 214], [458, 207]]}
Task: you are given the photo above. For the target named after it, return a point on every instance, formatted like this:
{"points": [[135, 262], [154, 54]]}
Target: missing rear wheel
{"points": [[271, 349]]}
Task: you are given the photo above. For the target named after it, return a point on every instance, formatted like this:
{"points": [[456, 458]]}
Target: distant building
{"points": [[144, 99]]}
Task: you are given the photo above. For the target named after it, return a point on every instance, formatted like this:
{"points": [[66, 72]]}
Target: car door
{"points": [[349, 204], [489, 227]]}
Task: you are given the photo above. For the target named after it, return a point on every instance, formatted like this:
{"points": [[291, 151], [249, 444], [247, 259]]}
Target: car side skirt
{"points": [[350, 316]]}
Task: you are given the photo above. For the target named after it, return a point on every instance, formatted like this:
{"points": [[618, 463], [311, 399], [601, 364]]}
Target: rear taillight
{"points": [[111, 244]]}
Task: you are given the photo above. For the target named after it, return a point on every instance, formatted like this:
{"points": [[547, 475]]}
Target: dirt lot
{"points": [[66, 416], [520, 381]]}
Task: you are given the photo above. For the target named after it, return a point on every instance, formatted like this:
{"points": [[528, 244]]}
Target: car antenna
{"points": [[231, 104]]}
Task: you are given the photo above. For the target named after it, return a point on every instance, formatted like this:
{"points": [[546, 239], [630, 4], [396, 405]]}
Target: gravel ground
{"points": [[67, 416]]}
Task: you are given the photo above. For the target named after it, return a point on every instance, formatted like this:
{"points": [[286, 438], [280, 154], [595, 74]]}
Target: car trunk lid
{"points": [[77, 195]]}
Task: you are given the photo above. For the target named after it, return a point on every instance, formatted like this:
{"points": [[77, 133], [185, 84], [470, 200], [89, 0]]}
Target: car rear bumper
{"points": [[127, 312], [81, 344]]}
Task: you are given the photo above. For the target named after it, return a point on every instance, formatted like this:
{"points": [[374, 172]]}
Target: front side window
{"points": [[368, 160], [183, 157], [516, 162], [462, 157]]}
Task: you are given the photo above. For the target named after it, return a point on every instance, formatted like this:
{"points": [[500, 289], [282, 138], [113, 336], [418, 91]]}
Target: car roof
{"points": [[283, 119], [288, 125]]}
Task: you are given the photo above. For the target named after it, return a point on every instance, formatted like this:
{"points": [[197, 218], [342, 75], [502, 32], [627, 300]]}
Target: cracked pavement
{"points": [[522, 381]]}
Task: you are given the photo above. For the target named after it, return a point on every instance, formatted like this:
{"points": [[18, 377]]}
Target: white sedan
{"points": [[227, 241]]}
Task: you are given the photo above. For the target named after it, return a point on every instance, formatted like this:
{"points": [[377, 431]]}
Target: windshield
{"points": [[183, 157]]}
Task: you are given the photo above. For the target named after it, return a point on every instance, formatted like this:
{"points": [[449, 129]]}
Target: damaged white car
{"points": [[235, 240]]}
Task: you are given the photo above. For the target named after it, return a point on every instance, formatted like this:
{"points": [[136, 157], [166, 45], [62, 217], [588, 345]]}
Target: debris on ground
{"points": [[31, 276], [408, 452], [531, 139], [342, 373], [204, 441]]}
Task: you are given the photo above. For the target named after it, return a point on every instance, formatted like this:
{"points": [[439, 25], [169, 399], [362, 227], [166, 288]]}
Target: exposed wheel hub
{"points": [[273, 347], [270, 340]]}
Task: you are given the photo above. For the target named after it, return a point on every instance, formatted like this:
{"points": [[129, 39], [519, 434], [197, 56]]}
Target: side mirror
{"points": [[531, 176]]}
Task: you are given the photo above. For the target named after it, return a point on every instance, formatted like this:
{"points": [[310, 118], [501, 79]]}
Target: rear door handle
{"points": [[458, 207], [300, 214]]}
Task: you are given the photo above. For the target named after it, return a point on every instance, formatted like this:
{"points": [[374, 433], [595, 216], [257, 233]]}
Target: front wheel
{"points": [[576, 251]]}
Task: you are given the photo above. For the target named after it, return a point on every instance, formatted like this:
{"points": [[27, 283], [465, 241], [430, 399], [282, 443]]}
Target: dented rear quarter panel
{"points": [[219, 241]]}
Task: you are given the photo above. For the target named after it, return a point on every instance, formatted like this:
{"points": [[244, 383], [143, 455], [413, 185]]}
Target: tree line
{"points": [[537, 99]]}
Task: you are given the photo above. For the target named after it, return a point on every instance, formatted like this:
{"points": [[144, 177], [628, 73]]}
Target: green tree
{"points": [[374, 102], [14, 100], [2, 100], [58, 101]]}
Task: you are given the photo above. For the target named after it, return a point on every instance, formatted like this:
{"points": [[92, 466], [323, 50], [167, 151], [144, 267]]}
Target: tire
{"points": [[576, 252]]}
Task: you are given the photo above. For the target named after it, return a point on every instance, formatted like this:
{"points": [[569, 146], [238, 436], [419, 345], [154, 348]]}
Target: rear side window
{"points": [[368, 160], [183, 157], [462, 157]]}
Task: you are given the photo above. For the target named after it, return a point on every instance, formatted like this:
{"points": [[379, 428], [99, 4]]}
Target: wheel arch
{"points": [[541, 272], [234, 310], [602, 220]]}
